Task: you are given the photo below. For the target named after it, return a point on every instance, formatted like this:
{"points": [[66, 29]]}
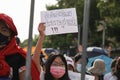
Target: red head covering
{"points": [[8, 20], [13, 48]]}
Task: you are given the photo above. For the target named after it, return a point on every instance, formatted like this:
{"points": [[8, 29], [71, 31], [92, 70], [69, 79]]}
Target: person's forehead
{"points": [[58, 59], [4, 29], [3, 25]]}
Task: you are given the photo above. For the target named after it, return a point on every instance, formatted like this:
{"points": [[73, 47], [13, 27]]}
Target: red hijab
{"points": [[13, 48]]}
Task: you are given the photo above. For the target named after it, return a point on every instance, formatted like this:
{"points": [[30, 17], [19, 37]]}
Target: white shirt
{"points": [[42, 74], [108, 76], [113, 78]]}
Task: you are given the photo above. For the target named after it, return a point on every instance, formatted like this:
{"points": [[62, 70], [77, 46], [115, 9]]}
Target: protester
{"points": [[55, 66], [70, 63], [97, 69], [116, 73], [12, 56], [109, 75], [80, 49], [78, 62]]}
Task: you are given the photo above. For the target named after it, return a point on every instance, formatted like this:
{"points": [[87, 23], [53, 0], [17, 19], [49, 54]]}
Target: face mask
{"points": [[79, 67], [57, 71], [44, 61], [3, 39]]}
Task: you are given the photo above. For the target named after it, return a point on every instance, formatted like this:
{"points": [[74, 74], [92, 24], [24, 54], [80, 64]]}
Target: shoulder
{"points": [[113, 77], [107, 76]]}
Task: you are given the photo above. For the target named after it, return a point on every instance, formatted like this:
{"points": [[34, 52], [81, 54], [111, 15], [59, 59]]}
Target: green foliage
{"points": [[24, 43], [59, 41], [110, 13]]}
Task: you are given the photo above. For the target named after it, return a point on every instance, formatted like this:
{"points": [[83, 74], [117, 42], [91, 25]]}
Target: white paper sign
{"points": [[60, 21], [77, 76]]}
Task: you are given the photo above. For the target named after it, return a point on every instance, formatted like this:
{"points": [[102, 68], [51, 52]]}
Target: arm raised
{"points": [[37, 51]]}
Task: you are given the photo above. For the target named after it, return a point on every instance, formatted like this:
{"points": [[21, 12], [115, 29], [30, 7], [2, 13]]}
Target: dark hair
{"points": [[117, 68], [77, 57], [3, 23], [113, 63], [51, 58]]}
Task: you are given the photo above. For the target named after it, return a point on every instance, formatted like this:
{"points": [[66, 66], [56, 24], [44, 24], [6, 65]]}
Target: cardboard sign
{"points": [[77, 76], [60, 21]]}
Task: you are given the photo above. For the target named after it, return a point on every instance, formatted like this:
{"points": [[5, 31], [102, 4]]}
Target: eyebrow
{"points": [[58, 62], [4, 27]]}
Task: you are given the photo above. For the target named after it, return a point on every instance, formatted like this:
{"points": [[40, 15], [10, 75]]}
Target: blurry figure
{"points": [[95, 51], [109, 75], [80, 49], [12, 56], [70, 63], [116, 73], [42, 61], [97, 69], [109, 49], [78, 62], [106, 59], [55, 66]]}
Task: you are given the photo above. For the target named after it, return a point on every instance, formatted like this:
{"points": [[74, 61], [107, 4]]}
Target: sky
{"points": [[19, 11]]}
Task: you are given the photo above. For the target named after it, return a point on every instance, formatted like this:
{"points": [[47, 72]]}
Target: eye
{"points": [[4, 30], [58, 64]]}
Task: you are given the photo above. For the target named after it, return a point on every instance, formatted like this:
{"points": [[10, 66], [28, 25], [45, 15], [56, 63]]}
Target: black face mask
{"points": [[3, 39]]}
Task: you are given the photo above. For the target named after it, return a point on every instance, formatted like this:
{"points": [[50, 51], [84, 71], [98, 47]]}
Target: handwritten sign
{"points": [[60, 21], [77, 76]]}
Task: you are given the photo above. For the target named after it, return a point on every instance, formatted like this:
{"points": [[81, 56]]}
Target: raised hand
{"points": [[41, 29]]}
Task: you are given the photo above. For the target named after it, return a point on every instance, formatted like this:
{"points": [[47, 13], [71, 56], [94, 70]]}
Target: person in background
{"points": [[78, 62], [70, 63], [97, 69], [109, 75], [80, 49], [12, 56], [116, 73], [55, 66]]}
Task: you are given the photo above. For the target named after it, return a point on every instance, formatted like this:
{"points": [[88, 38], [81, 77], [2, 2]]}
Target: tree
{"points": [[110, 13]]}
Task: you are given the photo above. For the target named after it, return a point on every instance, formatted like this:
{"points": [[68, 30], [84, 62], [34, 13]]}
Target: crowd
{"points": [[56, 67]]}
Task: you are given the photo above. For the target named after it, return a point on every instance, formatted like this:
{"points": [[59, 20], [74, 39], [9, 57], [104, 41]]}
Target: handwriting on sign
{"points": [[57, 14], [60, 21], [54, 29]]}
